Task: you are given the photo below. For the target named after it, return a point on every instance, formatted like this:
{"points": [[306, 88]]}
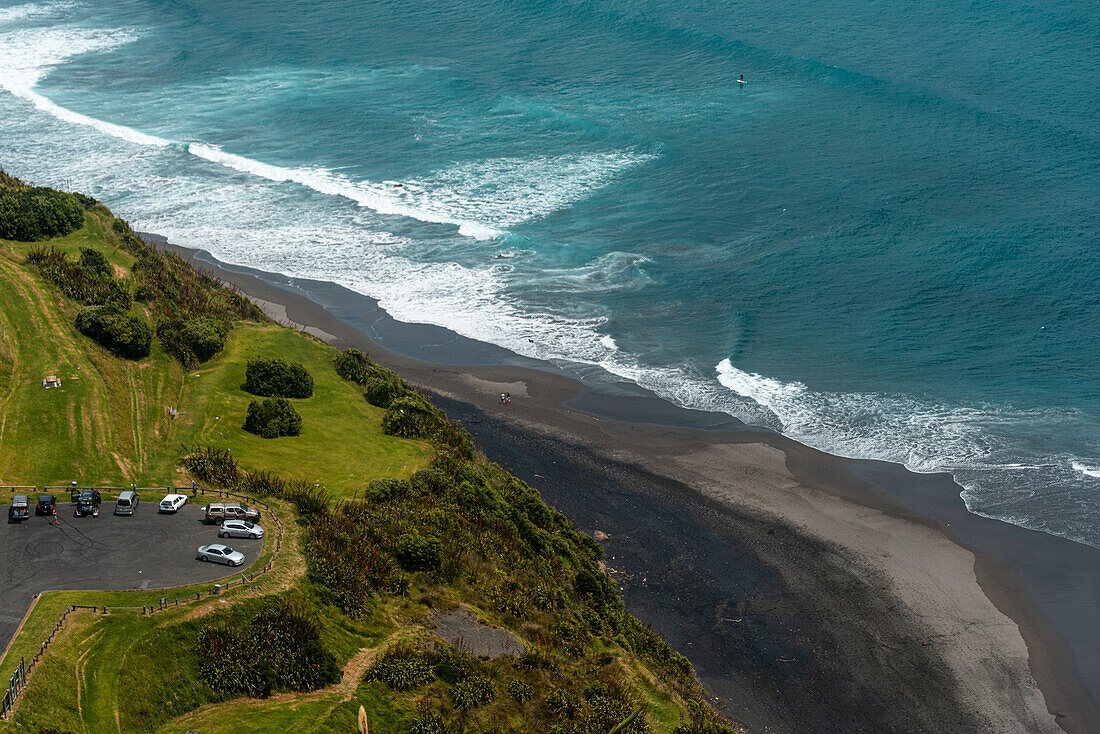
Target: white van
{"points": [[126, 503], [173, 502]]}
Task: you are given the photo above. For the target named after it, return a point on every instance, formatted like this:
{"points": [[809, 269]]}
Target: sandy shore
{"points": [[812, 593]]}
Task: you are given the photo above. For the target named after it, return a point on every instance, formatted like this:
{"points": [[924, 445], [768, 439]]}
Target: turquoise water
{"points": [[885, 244]]}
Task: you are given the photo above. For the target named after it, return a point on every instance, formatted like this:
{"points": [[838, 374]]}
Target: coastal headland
{"points": [[811, 592]]}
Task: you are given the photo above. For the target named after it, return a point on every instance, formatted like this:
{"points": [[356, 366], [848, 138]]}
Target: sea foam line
{"points": [[1088, 471], [480, 197], [333, 184]]}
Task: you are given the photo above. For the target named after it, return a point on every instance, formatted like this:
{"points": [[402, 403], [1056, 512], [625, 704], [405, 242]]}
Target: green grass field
{"points": [[109, 424], [341, 446]]}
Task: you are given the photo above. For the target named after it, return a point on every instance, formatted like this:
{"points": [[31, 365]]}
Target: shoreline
{"points": [[865, 561]]}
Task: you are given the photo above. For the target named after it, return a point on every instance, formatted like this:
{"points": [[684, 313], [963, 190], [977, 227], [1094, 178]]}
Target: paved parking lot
{"points": [[144, 550]]}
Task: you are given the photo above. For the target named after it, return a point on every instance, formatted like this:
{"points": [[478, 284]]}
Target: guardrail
{"points": [[18, 681], [16, 489]]}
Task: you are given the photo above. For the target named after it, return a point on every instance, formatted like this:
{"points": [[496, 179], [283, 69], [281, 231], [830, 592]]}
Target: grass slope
{"points": [[108, 423]]}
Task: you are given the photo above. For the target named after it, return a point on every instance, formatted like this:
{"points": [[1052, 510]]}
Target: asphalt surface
{"points": [[145, 550]]}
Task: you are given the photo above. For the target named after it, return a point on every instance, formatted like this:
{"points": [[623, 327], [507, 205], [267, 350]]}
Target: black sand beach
{"points": [[812, 593]]}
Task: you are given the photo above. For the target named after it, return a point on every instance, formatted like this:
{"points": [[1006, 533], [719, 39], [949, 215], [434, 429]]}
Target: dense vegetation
{"points": [[89, 279], [464, 527], [194, 313], [127, 336], [272, 377], [272, 418], [256, 652], [382, 386], [31, 213]]}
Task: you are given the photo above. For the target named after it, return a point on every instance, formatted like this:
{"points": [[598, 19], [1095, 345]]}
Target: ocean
{"points": [[886, 244]]}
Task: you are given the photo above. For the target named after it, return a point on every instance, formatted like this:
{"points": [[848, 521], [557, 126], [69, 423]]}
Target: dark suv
{"points": [[47, 505], [87, 504], [20, 508]]}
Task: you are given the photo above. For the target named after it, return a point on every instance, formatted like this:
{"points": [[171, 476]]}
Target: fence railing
{"points": [[22, 672]]}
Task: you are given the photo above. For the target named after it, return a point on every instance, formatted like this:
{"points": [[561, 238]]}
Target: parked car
{"points": [[47, 505], [218, 553], [240, 529], [87, 503], [216, 512], [173, 502], [126, 503], [20, 508]]}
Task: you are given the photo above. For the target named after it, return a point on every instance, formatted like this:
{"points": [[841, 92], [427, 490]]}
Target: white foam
{"points": [[1086, 470], [32, 11], [608, 343], [28, 55], [377, 197]]}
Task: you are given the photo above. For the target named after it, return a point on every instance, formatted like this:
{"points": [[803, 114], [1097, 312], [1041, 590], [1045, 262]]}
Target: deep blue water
{"points": [[887, 243]]}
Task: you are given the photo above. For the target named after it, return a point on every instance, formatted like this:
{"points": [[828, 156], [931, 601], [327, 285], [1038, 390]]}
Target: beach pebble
{"points": [[601, 536]]}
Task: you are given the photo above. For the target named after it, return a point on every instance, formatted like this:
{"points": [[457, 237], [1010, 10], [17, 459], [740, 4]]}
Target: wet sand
{"points": [[812, 593]]}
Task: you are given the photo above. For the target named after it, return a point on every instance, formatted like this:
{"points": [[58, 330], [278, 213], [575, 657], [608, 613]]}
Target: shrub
{"points": [[353, 365], [95, 262], [472, 692], [272, 418], [309, 499], [427, 723], [402, 667], [204, 336], [411, 416], [34, 213], [274, 378], [126, 336], [277, 648], [351, 558], [216, 466], [88, 280], [562, 703], [418, 553], [382, 392], [595, 588], [519, 691]]}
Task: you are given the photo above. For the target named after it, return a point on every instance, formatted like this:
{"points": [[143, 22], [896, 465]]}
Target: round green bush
{"points": [[272, 418], [274, 378], [416, 552], [411, 416], [126, 336], [381, 392], [204, 336]]}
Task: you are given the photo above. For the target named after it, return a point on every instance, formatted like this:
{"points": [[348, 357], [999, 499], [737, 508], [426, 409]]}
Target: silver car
{"points": [[240, 529], [219, 553]]}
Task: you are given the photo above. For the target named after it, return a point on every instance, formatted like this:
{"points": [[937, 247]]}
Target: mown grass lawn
{"points": [[341, 447]]}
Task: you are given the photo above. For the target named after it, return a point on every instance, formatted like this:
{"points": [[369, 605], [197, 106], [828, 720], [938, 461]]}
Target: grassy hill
{"points": [[109, 423], [396, 533]]}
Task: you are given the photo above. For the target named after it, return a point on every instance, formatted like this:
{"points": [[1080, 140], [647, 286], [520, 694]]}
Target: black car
{"points": [[88, 503], [20, 508], [47, 505]]}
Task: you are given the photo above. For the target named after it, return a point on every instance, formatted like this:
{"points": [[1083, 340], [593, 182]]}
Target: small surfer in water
{"points": [[741, 80]]}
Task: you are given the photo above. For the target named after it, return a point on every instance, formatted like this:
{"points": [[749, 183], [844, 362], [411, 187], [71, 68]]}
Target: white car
{"points": [[219, 553], [240, 529], [173, 502]]}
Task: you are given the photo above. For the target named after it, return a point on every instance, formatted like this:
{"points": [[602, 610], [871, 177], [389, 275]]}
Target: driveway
{"points": [[144, 550]]}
